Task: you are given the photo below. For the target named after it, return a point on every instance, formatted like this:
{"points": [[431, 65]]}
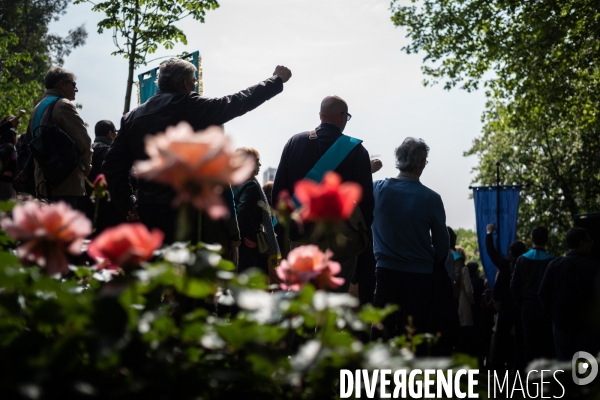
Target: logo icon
{"points": [[584, 367]]}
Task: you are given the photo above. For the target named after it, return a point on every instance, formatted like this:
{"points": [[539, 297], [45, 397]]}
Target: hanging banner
{"points": [[486, 212], [147, 86]]}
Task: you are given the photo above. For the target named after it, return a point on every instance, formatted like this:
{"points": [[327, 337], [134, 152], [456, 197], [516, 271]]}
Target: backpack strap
{"points": [[314, 146], [48, 101], [332, 158]]}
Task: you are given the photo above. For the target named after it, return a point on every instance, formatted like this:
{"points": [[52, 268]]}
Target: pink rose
{"points": [[198, 165], [125, 245], [309, 264], [47, 232]]}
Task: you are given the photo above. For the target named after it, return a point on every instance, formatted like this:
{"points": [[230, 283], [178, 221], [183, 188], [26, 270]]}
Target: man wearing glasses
{"points": [[298, 159], [61, 84]]}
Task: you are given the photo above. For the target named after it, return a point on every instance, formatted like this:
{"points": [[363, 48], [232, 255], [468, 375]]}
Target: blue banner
{"points": [[486, 212], [147, 81]]}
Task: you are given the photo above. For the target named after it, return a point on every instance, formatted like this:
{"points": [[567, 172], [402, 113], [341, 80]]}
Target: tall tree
{"points": [[24, 24], [14, 90], [538, 62], [144, 25]]}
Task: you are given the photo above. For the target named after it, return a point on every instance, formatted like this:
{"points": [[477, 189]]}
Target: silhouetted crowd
{"points": [[401, 253]]}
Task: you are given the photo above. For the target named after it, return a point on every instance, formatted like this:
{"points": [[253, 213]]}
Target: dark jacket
{"points": [[297, 160], [501, 291], [527, 278], [166, 109], [108, 215], [249, 214], [100, 146], [570, 291]]}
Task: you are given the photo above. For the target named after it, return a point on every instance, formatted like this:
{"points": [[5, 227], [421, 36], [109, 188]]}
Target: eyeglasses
{"points": [[348, 115], [73, 82]]}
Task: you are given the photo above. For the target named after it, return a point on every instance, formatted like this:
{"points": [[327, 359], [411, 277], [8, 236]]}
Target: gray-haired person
{"points": [[409, 236], [62, 83], [174, 102]]}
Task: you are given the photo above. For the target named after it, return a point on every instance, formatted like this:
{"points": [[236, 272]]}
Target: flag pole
{"points": [[498, 207]]}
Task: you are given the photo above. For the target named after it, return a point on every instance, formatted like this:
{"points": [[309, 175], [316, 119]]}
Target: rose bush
{"points": [[186, 327], [46, 232]]}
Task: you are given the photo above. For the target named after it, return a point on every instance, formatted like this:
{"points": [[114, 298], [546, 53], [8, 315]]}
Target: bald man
{"points": [[298, 159]]}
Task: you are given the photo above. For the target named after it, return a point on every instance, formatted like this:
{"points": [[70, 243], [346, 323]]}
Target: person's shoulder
{"points": [[556, 261], [361, 150], [250, 186], [430, 192], [192, 96], [387, 185], [379, 183], [299, 139], [253, 183], [300, 136], [65, 104]]}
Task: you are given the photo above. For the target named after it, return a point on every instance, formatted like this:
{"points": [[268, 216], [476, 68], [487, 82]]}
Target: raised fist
{"points": [[284, 73], [376, 165]]}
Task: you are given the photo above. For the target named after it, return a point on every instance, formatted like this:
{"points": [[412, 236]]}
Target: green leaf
{"points": [[196, 288], [372, 315], [7, 206]]}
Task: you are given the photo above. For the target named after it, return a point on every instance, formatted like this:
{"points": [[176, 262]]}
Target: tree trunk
{"points": [[132, 51]]}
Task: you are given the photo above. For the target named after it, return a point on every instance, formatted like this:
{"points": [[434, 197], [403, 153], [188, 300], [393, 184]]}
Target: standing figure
{"points": [[570, 296], [298, 159], [61, 84], [255, 223], [108, 214], [175, 101], [524, 286], [505, 353], [409, 237]]}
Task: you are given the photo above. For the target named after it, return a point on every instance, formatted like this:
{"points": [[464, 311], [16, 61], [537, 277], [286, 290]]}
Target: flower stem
{"points": [[286, 237], [183, 223], [199, 232], [96, 210]]}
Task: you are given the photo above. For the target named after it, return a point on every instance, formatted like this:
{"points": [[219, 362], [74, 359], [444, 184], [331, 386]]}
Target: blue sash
{"points": [[40, 111], [331, 159]]}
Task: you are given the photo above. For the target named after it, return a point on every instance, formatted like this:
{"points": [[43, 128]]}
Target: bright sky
{"points": [[349, 48]]}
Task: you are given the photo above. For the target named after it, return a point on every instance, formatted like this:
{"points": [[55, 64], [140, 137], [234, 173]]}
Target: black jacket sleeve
{"points": [[248, 211], [501, 262], [205, 111], [365, 179]]}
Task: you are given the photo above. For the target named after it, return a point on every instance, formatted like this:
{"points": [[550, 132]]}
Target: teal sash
{"points": [[40, 111], [331, 159]]}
